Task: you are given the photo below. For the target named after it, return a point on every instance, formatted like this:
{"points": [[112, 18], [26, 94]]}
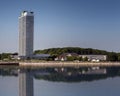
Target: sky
{"points": [[63, 23]]}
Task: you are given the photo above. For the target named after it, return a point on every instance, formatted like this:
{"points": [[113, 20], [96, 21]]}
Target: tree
{"points": [[0, 57], [112, 57], [85, 59], [5, 56], [118, 56], [70, 58], [79, 58]]}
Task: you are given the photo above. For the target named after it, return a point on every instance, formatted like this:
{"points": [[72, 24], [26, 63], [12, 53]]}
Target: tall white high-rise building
{"points": [[26, 30]]}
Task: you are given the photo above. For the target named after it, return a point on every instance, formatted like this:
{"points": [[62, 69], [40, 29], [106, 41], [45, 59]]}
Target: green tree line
{"points": [[6, 56], [82, 51], [54, 52]]}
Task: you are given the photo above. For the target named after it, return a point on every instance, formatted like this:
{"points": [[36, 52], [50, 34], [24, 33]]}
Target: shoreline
{"points": [[53, 64]]}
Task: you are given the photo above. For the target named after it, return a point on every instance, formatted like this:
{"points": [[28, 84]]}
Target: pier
{"points": [[9, 63]]}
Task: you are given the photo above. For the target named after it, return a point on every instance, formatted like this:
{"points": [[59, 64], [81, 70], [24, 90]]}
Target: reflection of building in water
{"points": [[25, 83]]}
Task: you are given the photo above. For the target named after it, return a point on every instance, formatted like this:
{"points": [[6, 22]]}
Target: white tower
{"points": [[26, 30]]}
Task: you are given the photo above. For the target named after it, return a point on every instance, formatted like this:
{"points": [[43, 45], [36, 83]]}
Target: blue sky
{"points": [[63, 23]]}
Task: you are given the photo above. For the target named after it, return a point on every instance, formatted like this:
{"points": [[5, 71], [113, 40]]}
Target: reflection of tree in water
{"points": [[76, 75], [8, 71], [62, 74]]}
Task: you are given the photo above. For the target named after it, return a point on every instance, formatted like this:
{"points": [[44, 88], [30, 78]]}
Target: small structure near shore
{"points": [[93, 58]]}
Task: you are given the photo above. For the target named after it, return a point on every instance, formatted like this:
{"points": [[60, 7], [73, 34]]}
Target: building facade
{"points": [[26, 32], [95, 57], [64, 56]]}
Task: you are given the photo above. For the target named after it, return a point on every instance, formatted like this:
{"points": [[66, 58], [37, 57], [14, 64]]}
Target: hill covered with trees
{"points": [[111, 56], [82, 51]]}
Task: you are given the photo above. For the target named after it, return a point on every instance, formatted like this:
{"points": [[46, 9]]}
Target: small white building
{"points": [[63, 57], [95, 58]]}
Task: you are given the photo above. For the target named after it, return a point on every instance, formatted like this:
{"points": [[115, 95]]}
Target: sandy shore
{"points": [[62, 64], [71, 64]]}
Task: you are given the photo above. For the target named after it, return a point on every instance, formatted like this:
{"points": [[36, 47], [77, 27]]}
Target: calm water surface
{"points": [[21, 82]]}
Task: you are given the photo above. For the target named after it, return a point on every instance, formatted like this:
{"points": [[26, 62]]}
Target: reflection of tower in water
{"points": [[25, 83]]}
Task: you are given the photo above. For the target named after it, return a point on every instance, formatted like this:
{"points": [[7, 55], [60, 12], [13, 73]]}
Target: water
{"points": [[52, 82]]}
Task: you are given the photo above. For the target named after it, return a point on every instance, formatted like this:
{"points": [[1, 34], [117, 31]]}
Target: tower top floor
{"points": [[26, 13]]}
